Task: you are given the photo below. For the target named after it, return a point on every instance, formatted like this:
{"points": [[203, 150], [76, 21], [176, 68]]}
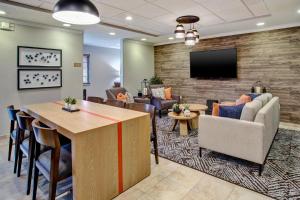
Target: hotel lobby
{"points": [[150, 99]]}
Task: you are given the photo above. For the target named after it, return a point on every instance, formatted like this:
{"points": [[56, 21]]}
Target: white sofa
{"points": [[250, 137]]}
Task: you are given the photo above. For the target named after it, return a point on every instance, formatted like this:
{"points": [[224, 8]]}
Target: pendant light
{"points": [[179, 31], [190, 38], [197, 36], [81, 12]]}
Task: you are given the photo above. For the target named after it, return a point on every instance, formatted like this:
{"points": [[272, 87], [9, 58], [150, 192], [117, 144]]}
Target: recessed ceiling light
{"points": [[143, 39], [260, 24], [112, 33], [171, 38], [298, 11], [2, 12], [67, 25], [128, 18]]}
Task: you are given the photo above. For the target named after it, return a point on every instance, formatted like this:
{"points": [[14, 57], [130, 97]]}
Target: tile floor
{"points": [[168, 181]]}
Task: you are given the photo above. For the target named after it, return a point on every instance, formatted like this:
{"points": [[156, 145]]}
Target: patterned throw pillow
{"points": [[159, 92], [233, 112]]}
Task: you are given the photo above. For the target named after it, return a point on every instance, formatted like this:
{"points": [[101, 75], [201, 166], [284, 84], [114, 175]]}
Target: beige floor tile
{"points": [[240, 193], [133, 193], [187, 176], [167, 189], [210, 188]]}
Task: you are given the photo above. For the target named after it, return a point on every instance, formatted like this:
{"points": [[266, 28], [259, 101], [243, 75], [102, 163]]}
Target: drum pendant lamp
{"points": [[80, 12]]}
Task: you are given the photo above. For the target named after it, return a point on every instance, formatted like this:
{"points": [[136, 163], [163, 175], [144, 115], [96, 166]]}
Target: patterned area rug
{"points": [[280, 178]]}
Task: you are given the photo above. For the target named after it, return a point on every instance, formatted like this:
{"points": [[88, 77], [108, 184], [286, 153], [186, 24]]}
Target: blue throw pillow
{"points": [[233, 112], [253, 95]]}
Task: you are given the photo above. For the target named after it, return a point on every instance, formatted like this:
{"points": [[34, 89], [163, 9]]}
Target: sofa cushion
{"points": [[253, 95], [269, 95], [264, 98], [168, 93], [231, 111], [158, 93], [243, 99], [250, 110], [216, 107]]}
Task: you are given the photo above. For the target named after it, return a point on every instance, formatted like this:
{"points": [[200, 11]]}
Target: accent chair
{"points": [[162, 104]]}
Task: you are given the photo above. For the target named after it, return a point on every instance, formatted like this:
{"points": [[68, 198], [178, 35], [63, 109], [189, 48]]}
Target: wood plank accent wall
{"points": [[271, 56]]}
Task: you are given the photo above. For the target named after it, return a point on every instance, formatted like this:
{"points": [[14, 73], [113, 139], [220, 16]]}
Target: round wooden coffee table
{"points": [[195, 108], [184, 122]]}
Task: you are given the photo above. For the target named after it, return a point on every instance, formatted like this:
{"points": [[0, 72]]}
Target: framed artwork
{"points": [[39, 78], [39, 57]]}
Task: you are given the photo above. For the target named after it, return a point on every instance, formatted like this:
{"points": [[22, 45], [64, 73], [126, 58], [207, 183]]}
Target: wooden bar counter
{"points": [[110, 146]]}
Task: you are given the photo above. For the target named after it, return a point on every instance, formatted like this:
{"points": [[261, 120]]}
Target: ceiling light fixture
{"points": [[81, 12], [298, 11], [112, 33], [128, 18], [2, 12], [179, 31], [143, 39], [260, 24], [67, 25], [191, 36], [171, 38]]}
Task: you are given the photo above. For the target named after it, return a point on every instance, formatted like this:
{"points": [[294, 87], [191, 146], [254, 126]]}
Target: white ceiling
{"points": [[217, 17]]}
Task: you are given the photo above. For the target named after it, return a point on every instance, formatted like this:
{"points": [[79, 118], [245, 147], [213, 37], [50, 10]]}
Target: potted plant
{"points": [[186, 110], [176, 108], [73, 102], [155, 80], [67, 101]]}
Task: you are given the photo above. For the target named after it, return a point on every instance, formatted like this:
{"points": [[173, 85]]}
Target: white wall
{"points": [[71, 45], [137, 64], [104, 69]]}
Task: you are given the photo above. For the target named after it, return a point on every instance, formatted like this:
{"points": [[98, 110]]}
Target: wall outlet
{"points": [[77, 64]]}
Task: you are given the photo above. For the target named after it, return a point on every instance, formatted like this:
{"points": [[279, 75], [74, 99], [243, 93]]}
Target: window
{"points": [[86, 68]]}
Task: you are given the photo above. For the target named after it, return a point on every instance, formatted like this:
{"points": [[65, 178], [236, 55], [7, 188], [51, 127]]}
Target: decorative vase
{"points": [[187, 113], [72, 107], [67, 106]]}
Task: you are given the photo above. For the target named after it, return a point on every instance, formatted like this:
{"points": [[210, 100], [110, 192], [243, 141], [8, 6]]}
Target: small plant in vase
{"points": [[73, 104], [67, 101], [176, 108], [186, 110]]}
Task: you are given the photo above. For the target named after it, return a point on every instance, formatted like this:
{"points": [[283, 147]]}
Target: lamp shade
{"points": [[196, 35], [81, 12], [179, 31], [190, 38]]}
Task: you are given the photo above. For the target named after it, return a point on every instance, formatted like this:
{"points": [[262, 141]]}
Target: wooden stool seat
{"points": [[26, 142], [64, 166], [14, 134]]}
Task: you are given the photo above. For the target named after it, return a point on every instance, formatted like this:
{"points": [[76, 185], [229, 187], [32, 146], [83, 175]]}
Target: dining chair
{"points": [[95, 99], [13, 134], [115, 103], [54, 164], [26, 145], [148, 108]]}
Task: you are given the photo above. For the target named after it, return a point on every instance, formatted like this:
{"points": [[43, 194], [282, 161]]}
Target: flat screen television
{"points": [[214, 64]]}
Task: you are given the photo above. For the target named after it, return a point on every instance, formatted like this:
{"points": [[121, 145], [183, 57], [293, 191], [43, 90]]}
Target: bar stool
{"points": [[13, 137], [151, 110], [55, 164], [26, 145]]}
